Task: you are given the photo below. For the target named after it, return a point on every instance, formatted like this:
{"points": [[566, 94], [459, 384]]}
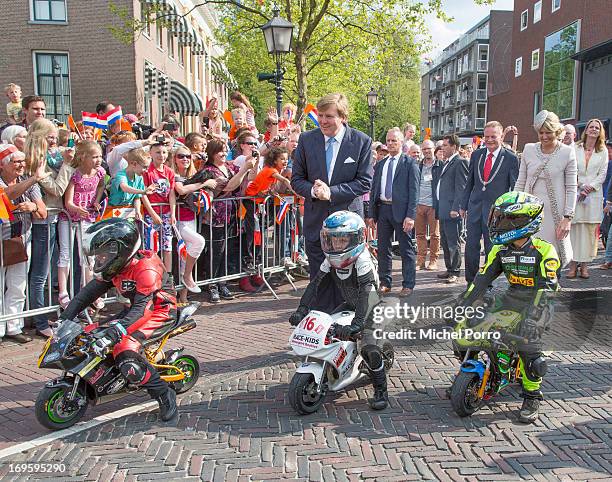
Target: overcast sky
{"points": [[466, 14]]}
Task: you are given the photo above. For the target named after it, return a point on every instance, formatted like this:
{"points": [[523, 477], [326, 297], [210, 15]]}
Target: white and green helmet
{"points": [[514, 215]]}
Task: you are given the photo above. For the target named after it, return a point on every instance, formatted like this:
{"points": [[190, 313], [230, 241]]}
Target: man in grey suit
{"points": [[393, 202], [331, 170], [449, 193], [493, 171]]}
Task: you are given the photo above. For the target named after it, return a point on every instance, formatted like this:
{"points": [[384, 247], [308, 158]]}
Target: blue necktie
{"points": [[389, 180], [329, 155]]}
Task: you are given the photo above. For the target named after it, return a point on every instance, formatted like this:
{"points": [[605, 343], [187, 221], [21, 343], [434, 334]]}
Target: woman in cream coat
{"points": [[548, 171], [592, 157]]}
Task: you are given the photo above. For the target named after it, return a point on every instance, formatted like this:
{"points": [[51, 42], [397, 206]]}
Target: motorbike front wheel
{"points": [[464, 394], [51, 412], [191, 367], [303, 395]]}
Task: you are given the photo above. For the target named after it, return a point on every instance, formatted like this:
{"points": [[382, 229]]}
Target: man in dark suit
{"points": [[331, 170], [493, 171], [393, 201], [449, 193]]}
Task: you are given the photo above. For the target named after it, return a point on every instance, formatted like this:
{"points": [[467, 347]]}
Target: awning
{"points": [[183, 100], [595, 52]]}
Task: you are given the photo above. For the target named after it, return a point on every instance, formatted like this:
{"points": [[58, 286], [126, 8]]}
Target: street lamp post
{"points": [[372, 102], [278, 33]]}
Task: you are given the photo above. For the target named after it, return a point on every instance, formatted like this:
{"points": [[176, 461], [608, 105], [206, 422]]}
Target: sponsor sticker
{"points": [[519, 280], [528, 259], [340, 356], [552, 264], [508, 259]]}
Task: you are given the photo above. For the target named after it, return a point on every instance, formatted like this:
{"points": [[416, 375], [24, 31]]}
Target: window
{"points": [[159, 28], [524, 19], [536, 103], [556, 5], [49, 10], [559, 87], [537, 12], [52, 80], [181, 55], [144, 18], [171, 43], [535, 59], [518, 67]]}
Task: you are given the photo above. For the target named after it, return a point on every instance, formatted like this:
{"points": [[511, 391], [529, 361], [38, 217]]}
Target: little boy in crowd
{"points": [[13, 108]]}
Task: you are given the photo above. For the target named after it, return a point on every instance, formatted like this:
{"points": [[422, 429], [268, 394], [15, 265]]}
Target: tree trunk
{"points": [[302, 82]]}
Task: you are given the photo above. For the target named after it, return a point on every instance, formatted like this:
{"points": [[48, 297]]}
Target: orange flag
{"points": [[227, 115], [6, 208]]}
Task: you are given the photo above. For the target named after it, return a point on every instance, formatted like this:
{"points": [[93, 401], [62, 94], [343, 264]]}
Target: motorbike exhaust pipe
{"points": [[190, 325]]}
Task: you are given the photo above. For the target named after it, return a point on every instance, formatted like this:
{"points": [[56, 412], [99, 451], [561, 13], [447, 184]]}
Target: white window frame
{"points": [[159, 35], [537, 65], [33, 18], [525, 14], [518, 66], [146, 31], [537, 7], [35, 70], [553, 9]]}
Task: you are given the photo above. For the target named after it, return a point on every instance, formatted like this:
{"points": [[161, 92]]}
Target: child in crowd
{"points": [[275, 162], [239, 100], [128, 187], [82, 200], [196, 143], [160, 218], [13, 108]]}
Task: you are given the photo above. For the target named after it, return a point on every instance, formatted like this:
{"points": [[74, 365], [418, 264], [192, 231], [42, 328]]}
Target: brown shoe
{"points": [[452, 279], [584, 272], [605, 266], [384, 289], [20, 338], [571, 274], [420, 267], [433, 266], [405, 293]]}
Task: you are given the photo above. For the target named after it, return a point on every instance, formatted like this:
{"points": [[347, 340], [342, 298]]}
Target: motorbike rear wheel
{"points": [[303, 395], [191, 367], [49, 410], [464, 394]]}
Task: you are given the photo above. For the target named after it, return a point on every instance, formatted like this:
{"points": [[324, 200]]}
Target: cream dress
{"points": [[552, 178], [589, 212]]}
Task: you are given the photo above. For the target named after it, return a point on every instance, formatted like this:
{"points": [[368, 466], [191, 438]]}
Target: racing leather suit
{"points": [[532, 271], [153, 308]]}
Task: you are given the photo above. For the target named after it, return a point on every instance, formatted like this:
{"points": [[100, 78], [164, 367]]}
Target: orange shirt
{"points": [[262, 182]]}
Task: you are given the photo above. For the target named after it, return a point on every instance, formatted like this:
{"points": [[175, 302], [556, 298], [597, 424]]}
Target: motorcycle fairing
{"points": [[473, 366]]}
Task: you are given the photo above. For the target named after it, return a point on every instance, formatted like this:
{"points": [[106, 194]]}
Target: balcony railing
{"points": [[483, 65], [481, 94], [467, 97], [466, 125], [480, 123]]}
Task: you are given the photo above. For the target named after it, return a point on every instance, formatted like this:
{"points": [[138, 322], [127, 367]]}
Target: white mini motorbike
{"points": [[330, 365]]}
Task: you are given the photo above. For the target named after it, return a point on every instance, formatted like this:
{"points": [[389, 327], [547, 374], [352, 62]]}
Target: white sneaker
{"points": [[288, 263], [302, 260]]}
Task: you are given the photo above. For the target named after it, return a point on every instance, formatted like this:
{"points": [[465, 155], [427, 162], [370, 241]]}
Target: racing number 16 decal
{"points": [[309, 324]]}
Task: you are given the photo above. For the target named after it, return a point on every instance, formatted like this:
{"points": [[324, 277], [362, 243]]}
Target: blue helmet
{"points": [[343, 238], [514, 215]]}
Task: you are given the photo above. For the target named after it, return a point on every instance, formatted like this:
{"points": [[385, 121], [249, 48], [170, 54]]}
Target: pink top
{"points": [[85, 193]]}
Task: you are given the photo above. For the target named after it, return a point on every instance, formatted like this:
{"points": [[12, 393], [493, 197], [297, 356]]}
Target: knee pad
{"points": [[372, 356], [134, 371], [537, 368]]}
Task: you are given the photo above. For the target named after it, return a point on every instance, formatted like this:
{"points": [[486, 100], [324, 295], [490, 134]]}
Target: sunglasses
{"points": [[250, 143], [183, 156]]}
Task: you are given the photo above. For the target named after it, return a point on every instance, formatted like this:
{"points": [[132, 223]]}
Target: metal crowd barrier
{"points": [[278, 241]]}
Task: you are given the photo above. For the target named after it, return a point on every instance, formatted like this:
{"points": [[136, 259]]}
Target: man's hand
{"points": [[462, 213], [345, 332], [408, 225], [454, 214], [321, 190], [370, 223], [298, 315], [608, 208]]}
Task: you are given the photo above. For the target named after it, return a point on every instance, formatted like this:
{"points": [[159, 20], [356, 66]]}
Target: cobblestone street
{"points": [[236, 424]]}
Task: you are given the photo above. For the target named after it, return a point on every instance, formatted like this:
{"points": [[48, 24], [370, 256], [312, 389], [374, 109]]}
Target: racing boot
{"points": [[531, 406], [167, 405], [379, 382]]}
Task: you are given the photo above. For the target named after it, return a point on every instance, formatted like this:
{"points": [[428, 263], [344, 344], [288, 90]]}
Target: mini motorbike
{"points": [[330, 365], [491, 362], [90, 379]]}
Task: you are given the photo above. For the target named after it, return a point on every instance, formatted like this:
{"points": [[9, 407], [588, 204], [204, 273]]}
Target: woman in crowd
{"points": [[15, 135], [592, 159], [27, 206], [41, 139], [220, 223], [211, 120], [183, 166], [439, 154], [548, 170]]}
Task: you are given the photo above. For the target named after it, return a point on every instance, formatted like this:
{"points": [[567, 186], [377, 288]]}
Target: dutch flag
{"points": [[203, 202], [91, 119], [282, 211], [153, 238], [311, 111], [181, 248], [113, 116]]}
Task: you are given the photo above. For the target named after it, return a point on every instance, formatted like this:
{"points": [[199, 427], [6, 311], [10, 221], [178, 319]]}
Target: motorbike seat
{"points": [[182, 315]]}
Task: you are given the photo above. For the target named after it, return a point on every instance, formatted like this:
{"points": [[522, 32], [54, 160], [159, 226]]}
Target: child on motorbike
{"points": [[139, 276], [351, 267], [530, 264]]}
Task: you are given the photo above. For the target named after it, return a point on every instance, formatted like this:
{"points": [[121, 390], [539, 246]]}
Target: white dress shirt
{"points": [[336, 147], [443, 170], [383, 179], [495, 156]]}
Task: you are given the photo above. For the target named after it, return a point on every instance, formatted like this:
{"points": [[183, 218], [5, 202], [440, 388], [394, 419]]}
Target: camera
{"points": [[160, 139], [255, 153], [142, 131]]}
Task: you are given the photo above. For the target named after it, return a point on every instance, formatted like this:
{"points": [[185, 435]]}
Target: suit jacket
{"points": [[505, 171], [405, 188], [452, 184], [436, 169], [351, 178]]}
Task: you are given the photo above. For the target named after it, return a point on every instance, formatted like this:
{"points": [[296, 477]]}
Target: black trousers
{"points": [[386, 226], [450, 232]]}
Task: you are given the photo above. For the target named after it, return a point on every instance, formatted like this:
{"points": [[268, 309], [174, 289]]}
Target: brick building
{"points": [[561, 61], [455, 89], [64, 51]]}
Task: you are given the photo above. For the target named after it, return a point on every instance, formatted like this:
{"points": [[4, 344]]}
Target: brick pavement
{"points": [[237, 425]]}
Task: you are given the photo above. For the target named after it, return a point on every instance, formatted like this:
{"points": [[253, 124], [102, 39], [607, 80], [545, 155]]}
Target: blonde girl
{"points": [[82, 202]]}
